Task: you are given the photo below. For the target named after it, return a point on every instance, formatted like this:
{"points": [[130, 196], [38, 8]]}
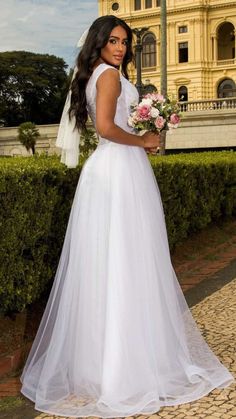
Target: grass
{"points": [[11, 402]]}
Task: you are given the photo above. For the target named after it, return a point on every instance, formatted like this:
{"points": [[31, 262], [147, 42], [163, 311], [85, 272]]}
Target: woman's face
{"points": [[114, 51]]}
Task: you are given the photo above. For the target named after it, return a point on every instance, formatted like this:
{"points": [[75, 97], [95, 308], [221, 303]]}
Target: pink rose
{"points": [[157, 97], [143, 112], [160, 122], [174, 119], [160, 98]]}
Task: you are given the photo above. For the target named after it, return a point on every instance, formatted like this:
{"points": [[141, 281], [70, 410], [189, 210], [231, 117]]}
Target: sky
{"points": [[45, 26]]}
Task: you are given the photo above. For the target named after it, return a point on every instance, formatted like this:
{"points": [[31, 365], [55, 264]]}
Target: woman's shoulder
{"points": [[102, 69], [103, 66]]}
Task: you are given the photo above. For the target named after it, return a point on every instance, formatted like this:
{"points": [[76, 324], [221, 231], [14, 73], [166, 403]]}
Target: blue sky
{"points": [[45, 26]]}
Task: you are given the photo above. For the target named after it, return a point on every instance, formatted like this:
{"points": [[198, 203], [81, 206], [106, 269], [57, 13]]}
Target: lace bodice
{"points": [[128, 95]]}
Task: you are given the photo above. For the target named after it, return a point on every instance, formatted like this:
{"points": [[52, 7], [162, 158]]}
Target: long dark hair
{"points": [[96, 39]]}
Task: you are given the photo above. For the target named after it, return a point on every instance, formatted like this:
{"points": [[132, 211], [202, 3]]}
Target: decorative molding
{"points": [[222, 5], [181, 81], [142, 14], [221, 21]]}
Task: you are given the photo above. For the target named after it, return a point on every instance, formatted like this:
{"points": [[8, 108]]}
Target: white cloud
{"points": [[44, 26]]}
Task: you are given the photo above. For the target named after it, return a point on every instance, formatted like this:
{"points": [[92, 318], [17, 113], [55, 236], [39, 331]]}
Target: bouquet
{"points": [[154, 113]]}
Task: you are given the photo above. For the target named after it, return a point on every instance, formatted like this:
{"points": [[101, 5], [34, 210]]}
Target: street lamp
{"points": [[138, 50], [163, 64]]}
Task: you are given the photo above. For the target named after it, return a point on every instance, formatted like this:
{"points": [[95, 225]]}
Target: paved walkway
{"points": [[216, 318]]}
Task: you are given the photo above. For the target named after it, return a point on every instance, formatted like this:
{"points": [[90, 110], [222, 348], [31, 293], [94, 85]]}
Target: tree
{"points": [[27, 135], [32, 87]]}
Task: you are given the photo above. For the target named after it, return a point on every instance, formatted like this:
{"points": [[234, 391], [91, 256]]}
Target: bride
{"points": [[117, 337]]}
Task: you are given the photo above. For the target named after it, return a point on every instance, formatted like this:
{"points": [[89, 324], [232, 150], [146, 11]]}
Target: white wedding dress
{"points": [[117, 337]]}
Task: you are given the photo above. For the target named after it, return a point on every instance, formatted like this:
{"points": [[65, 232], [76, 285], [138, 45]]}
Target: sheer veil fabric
{"points": [[68, 137], [117, 337]]}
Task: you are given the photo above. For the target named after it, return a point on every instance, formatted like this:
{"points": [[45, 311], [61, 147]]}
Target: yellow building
{"points": [[200, 44]]}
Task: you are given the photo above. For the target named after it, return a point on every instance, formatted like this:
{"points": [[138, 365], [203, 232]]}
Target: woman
{"points": [[117, 337]]}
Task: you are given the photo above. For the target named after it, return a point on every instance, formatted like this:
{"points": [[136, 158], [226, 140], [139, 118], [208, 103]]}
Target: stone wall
{"points": [[10, 146], [198, 129], [205, 129]]}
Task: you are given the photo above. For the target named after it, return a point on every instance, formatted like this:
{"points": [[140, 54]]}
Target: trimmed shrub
{"points": [[35, 199], [196, 189], [88, 142]]}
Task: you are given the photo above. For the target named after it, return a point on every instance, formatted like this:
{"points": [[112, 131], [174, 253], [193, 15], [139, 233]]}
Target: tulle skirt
{"points": [[117, 337]]}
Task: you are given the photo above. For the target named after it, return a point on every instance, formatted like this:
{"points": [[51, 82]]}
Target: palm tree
{"points": [[27, 135]]}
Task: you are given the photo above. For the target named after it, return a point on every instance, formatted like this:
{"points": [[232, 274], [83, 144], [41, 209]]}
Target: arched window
{"points": [[226, 41], [226, 88], [149, 50], [183, 94]]}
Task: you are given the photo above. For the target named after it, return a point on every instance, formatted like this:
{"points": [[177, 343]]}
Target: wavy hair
{"points": [[96, 39]]}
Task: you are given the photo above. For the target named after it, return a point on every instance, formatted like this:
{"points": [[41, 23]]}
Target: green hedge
{"points": [[36, 195], [196, 189]]}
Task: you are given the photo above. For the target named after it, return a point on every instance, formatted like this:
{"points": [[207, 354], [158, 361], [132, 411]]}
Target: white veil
{"points": [[68, 137]]}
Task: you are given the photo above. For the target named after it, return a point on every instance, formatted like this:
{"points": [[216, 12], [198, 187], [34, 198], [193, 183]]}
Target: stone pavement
{"points": [[215, 313]]}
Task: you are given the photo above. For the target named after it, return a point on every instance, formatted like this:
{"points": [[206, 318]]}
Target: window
{"points": [[158, 3], [226, 88], [148, 4], [137, 4], [183, 29], [226, 41], [115, 7], [149, 50], [183, 52], [183, 94]]}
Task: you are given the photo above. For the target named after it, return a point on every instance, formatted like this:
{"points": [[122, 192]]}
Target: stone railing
{"points": [[208, 105], [230, 61]]}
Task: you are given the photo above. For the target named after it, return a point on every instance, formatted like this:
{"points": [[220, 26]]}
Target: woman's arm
{"points": [[108, 91]]}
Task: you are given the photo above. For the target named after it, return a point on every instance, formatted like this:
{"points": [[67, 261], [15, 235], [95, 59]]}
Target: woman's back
{"points": [[128, 95]]}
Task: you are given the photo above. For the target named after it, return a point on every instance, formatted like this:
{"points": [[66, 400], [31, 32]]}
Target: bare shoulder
{"points": [[109, 77]]}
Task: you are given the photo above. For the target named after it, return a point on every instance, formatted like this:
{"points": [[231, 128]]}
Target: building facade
{"points": [[200, 44]]}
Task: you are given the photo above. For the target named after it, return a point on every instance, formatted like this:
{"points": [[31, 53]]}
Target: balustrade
{"points": [[212, 104]]}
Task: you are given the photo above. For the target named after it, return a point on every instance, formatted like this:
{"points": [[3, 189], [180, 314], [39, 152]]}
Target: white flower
{"points": [[172, 126], [154, 112], [146, 101], [130, 121], [143, 131]]}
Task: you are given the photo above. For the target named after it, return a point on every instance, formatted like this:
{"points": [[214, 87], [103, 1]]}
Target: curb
{"points": [[11, 363]]}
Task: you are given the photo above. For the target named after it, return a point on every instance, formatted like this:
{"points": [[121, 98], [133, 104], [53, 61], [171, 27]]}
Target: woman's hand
{"points": [[151, 142], [152, 151]]}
